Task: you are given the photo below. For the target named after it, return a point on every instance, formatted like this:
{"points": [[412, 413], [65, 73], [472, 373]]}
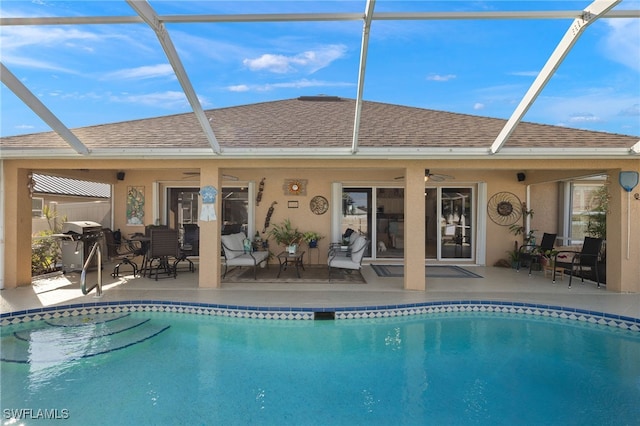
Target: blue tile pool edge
{"points": [[340, 313]]}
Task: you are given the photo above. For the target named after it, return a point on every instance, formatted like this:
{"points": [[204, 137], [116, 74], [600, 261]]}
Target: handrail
{"points": [[83, 276]]}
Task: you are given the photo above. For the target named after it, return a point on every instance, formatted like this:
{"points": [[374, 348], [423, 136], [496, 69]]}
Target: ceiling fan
{"points": [[436, 177], [224, 176]]}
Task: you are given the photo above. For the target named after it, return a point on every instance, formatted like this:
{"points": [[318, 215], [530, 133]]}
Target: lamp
{"points": [[628, 180], [427, 173]]}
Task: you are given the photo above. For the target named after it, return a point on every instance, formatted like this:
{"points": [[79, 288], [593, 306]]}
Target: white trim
{"points": [[155, 192], [389, 153], [336, 211], [251, 209], [481, 224]]}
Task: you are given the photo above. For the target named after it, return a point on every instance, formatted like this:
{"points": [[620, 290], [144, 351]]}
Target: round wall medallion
{"points": [[504, 208], [319, 205]]}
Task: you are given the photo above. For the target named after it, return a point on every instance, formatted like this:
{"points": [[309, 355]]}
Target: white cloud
{"points": [[632, 111], [439, 77], [19, 61], [239, 88], [24, 127], [525, 73], [166, 100], [478, 106], [21, 36], [308, 62], [303, 83], [584, 117], [141, 73], [621, 44]]}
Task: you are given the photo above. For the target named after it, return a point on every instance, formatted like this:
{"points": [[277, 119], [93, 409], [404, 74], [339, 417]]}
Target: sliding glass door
{"points": [[357, 213], [449, 221], [456, 223]]}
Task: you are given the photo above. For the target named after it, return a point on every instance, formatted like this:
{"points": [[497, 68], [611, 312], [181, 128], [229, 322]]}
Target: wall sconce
{"points": [[31, 184]]}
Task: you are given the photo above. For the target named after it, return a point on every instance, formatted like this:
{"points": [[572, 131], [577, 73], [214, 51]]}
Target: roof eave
{"points": [[363, 152]]}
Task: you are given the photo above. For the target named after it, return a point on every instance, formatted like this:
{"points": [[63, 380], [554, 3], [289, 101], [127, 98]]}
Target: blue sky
{"points": [[96, 74]]}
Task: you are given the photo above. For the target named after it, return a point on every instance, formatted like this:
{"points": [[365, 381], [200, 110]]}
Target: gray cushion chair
{"points": [[350, 259], [237, 254]]}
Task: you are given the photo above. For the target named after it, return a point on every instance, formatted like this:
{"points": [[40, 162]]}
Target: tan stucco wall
{"points": [[499, 175]]}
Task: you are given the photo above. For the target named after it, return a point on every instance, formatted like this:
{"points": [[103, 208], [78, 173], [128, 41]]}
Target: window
{"points": [[588, 201], [37, 205]]}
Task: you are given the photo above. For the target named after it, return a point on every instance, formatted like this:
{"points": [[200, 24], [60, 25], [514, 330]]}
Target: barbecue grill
{"points": [[77, 239]]}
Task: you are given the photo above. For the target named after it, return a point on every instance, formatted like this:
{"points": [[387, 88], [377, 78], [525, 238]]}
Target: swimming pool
{"points": [[443, 368]]}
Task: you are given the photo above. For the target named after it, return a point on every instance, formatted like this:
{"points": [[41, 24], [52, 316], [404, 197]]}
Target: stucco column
{"points": [[623, 238], [209, 275], [414, 229], [17, 227]]}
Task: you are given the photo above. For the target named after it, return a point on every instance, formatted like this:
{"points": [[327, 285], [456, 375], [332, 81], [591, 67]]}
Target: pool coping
{"points": [[310, 313]]}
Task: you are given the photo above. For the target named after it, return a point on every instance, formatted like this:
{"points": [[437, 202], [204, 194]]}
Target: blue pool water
{"points": [[471, 368]]}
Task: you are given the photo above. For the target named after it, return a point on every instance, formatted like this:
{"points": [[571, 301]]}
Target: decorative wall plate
{"points": [[504, 208], [319, 204], [295, 187]]}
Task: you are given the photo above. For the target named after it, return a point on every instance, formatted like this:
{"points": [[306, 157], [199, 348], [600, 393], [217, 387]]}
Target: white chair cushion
{"points": [[249, 260], [234, 244], [343, 263], [357, 250]]}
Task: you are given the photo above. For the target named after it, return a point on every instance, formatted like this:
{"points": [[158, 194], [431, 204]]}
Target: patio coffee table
{"points": [[285, 259]]}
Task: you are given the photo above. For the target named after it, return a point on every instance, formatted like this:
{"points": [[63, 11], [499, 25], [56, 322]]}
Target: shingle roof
{"points": [[63, 186], [321, 122]]}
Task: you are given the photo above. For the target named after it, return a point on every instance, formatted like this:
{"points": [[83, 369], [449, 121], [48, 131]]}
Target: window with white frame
{"points": [[37, 205]]}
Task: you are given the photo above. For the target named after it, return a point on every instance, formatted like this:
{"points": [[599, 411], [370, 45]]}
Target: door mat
{"points": [[439, 271], [311, 274]]}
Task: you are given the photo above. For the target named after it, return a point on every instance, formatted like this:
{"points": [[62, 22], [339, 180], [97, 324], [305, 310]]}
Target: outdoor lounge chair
{"points": [[235, 253], [588, 257], [535, 252], [350, 259]]}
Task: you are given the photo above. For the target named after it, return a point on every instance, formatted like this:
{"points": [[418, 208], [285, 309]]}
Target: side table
{"points": [[285, 259]]}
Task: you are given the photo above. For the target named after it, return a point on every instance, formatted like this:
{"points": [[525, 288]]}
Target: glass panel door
{"points": [[182, 208], [235, 210], [431, 222], [357, 212], [456, 223], [389, 222]]}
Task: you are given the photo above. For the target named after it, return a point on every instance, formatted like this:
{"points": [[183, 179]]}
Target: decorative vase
{"points": [[292, 248], [313, 243]]}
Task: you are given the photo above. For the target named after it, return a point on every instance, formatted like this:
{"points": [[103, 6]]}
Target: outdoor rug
{"points": [[439, 271], [312, 274]]}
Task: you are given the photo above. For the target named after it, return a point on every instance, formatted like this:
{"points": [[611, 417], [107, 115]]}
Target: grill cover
{"points": [[81, 227]]}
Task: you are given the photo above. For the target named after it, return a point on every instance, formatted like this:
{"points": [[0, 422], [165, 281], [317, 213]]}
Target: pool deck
{"points": [[496, 284]]}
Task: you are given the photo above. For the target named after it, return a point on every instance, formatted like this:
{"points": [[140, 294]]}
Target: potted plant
{"points": [[285, 234], [514, 258], [311, 238]]}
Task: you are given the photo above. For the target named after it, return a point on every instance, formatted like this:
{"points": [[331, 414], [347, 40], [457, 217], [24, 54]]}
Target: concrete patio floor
{"points": [[496, 284]]}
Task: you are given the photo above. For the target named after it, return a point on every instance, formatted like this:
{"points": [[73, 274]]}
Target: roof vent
{"points": [[320, 98]]}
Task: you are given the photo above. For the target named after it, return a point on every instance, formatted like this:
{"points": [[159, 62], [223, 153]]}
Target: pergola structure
{"points": [[144, 12]]}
